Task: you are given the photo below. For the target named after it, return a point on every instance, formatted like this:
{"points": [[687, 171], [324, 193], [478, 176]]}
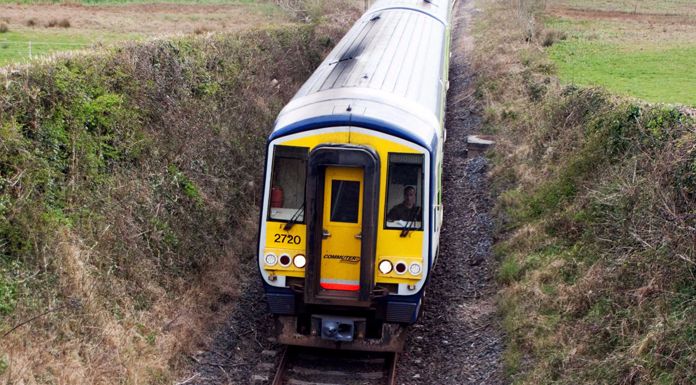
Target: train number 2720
{"points": [[287, 238]]}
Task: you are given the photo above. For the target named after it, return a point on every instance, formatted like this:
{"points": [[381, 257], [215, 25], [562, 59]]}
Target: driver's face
{"points": [[410, 197]]}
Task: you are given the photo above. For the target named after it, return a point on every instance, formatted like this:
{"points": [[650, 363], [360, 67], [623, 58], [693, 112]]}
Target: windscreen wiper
{"points": [[410, 224], [294, 218]]}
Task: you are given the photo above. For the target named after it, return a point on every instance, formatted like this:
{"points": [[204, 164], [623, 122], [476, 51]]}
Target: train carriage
{"points": [[351, 214]]}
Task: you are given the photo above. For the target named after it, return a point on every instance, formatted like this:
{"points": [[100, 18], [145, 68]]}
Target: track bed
{"points": [[307, 366]]}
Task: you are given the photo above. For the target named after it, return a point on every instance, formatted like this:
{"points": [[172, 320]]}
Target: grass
{"points": [[656, 75], [53, 29], [128, 179], [595, 198], [643, 53], [15, 46]]}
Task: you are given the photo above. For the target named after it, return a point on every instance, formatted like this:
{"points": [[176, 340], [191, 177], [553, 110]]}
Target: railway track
{"points": [[308, 366]]}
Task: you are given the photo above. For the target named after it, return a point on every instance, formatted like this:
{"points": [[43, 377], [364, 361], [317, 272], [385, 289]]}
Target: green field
{"points": [[655, 74], [21, 47], [32, 29], [646, 50]]}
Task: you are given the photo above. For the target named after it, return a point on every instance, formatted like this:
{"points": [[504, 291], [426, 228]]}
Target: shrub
{"points": [[126, 176], [63, 23], [603, 292], [552, 36], [201, 30], [4, 28]]}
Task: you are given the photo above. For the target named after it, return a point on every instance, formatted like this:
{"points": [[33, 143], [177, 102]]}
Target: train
{"points": [[352, 206]]}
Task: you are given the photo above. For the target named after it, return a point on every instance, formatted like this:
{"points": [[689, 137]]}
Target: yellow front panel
{"points": [[389, 244], [291, 242]]}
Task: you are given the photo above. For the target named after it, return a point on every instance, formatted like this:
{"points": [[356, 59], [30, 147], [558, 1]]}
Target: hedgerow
{"points": [[597, 219], [126, 175]]}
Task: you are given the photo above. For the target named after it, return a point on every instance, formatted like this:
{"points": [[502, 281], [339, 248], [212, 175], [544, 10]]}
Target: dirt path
{"points": [[458, 340]]}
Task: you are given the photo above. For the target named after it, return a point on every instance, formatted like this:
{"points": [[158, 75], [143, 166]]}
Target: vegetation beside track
{"points": [[128, 180], [597, 217]]}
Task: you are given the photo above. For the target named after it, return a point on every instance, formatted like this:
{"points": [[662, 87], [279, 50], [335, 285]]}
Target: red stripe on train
{"points": [[340, 286]]}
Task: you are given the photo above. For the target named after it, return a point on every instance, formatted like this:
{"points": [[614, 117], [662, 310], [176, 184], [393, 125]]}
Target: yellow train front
{"points": [[351, 214]]}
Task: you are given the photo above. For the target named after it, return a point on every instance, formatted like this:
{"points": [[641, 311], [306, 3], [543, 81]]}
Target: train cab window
{"points": [[404, 192], [287, 190], [345, 201]]}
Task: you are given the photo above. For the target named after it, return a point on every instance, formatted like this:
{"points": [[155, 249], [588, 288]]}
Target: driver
{"points": [[406, 210]]}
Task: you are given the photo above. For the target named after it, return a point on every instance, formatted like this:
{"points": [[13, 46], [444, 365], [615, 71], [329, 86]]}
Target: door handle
{"points": [[358, 235], [325, 233]]}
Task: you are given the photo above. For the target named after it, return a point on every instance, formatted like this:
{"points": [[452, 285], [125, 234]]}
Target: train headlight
{"points": [[270, 259], [400, 268], [285, 260], [300, 261], [415, 268], [385, 267]]}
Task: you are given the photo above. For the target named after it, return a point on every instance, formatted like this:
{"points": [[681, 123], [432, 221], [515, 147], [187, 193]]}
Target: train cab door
{"points": [[341, 229]]}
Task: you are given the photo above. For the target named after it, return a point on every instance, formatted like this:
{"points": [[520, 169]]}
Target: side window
{"points": [[404, 206], [287, 190]]}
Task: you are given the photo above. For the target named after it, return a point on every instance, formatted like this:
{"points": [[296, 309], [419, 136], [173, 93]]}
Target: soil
{"points": [[458, 339], [644, 17], [147, 19]]}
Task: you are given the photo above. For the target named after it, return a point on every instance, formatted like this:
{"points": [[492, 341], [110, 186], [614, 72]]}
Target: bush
{"points": [[596, 204], [63, 23], [124, 178], [4, 28]]}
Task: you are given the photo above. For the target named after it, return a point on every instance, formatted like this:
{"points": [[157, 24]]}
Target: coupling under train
{"points": [[352, 208]]}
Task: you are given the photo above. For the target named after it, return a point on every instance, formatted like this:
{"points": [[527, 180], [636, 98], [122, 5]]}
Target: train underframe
{"points": [[380, 328]]}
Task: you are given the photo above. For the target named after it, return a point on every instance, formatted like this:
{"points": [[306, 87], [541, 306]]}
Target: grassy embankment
{"points": [[32, 29], [597, 216], [128, 180], [643, 49]]}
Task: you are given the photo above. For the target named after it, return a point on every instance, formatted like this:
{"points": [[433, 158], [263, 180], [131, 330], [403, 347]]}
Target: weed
{"points": [[509, 271], [595, 209], [119, 185], [201, 30], [62, 23], [3, 365], [4, 28], [553, 36]]}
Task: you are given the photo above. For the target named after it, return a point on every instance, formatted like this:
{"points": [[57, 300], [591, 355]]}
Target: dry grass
{"points": [[134, 229], [596, 204], [146, 19]]}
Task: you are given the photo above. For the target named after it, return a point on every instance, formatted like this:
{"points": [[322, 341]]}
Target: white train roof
{"points": [[389, 68]]}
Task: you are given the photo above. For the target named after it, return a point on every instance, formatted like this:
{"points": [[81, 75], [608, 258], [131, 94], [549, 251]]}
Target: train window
{"points": [[345, 201], [287, 190], [405, 192]]}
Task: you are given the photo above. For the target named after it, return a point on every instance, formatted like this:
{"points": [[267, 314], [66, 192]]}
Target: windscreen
{"points": [[287, 190], [404, 192]]}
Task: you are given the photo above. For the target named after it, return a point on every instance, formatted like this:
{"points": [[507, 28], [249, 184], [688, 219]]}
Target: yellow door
{"points": [[342, 226]]}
